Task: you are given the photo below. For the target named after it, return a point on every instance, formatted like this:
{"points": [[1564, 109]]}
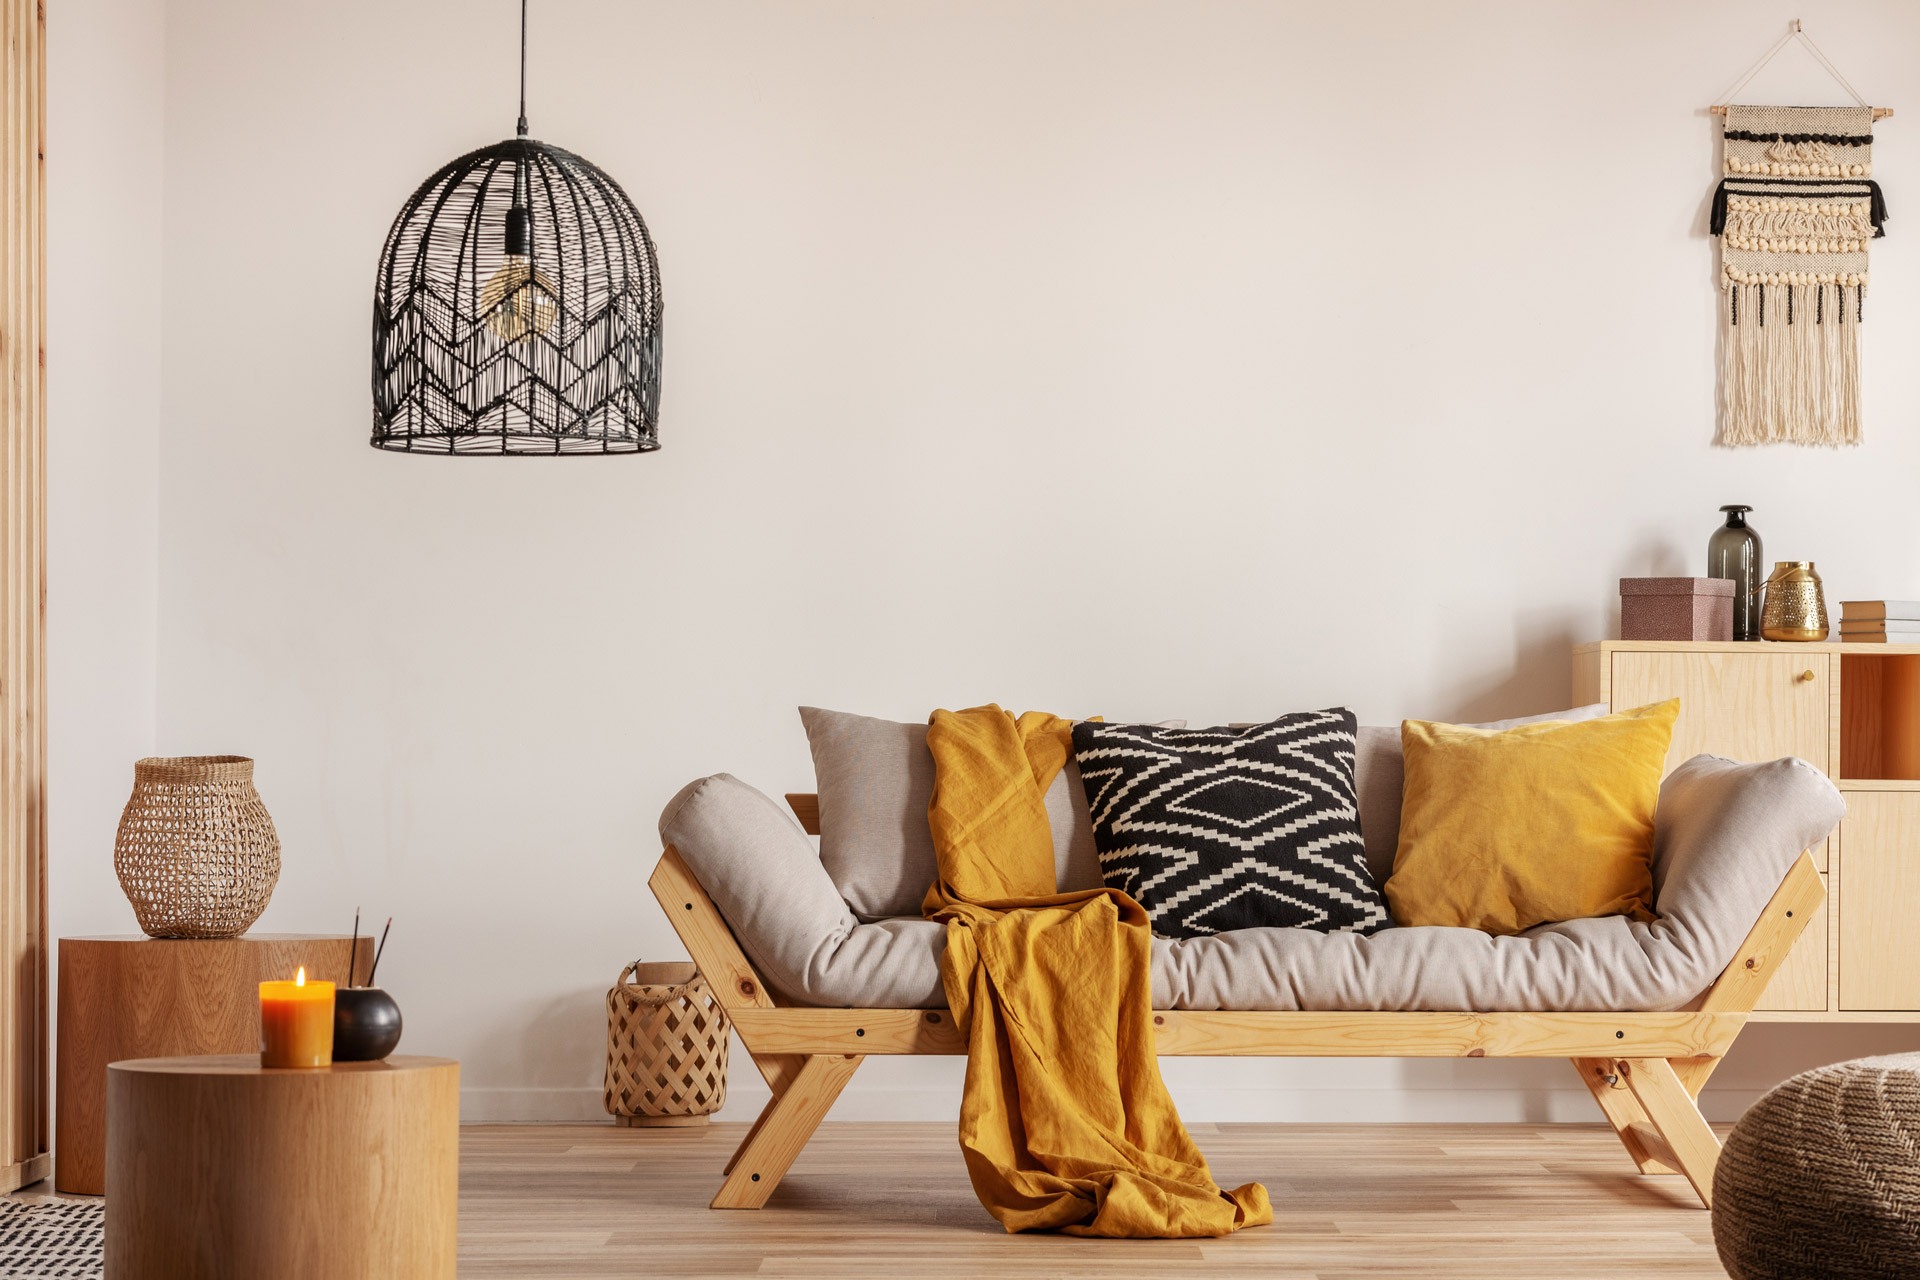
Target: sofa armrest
{"points": [[1725, 836], [764, 874]]}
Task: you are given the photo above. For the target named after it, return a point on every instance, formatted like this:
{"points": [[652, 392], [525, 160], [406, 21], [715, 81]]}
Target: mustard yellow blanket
{"points": [[1065, 1122]]}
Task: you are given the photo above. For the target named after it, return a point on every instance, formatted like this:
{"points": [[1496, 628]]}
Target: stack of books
{"points": [[1880, 621]]}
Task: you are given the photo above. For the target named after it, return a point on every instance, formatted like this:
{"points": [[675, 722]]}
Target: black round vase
{"points": [[366, 1024]]}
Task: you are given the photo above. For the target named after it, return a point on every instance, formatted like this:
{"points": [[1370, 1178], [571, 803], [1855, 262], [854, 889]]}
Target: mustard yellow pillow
{"points": [[1505, 829]]}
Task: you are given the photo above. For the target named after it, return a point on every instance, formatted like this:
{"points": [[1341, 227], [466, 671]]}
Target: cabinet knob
{"points": [[1806, 675]]}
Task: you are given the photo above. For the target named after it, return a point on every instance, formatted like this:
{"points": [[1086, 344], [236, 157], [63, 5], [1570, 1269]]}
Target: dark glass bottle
{"points": [[1734, 552]]}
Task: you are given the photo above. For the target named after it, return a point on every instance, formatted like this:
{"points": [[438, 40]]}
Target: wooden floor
{"points": [[891, 1200]]}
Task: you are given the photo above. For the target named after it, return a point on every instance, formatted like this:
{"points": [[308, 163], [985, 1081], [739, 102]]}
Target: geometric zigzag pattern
{"points": [[1212, 830]]}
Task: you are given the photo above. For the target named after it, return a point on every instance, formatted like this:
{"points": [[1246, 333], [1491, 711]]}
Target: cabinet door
{"points": [[1801, 984], [1745, 706], [1880, 901]]}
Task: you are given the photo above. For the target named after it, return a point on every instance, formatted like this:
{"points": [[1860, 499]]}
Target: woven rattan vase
{"points": [[197, 854], [666, 1046]]}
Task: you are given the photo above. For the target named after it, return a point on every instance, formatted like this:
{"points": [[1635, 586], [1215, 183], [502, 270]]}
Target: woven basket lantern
{"points": [[666, 1046], [197, 854]]}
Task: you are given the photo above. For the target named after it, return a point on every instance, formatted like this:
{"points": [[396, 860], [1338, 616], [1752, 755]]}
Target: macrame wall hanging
{"points": [[1795, 213]]}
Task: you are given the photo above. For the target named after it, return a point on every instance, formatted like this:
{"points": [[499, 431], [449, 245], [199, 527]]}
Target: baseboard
{"points": [[533, 1106], [1398, 1105]]}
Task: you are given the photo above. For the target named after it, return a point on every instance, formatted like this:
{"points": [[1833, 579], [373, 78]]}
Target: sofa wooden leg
{"points": [[779, 1069], [1622, 1111], [753, 1131], [776, 1138], [1678, 1127], [1694, 1072]]}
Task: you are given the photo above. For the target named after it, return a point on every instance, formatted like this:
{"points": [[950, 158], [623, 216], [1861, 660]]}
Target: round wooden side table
{"points": [[219, 1168]]}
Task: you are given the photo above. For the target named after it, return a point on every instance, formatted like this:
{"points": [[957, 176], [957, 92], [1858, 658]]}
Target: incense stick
{"points": [[379, 950], [353, 948]]}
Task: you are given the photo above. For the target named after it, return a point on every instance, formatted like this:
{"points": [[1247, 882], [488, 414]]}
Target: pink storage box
{"points": [[1676, 608]]}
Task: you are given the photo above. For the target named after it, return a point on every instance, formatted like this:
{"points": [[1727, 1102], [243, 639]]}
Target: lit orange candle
{"points": [[296, 1023]]}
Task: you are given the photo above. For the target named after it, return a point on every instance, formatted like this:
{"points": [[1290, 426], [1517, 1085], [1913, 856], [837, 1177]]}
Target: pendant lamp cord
{"points": [[523, 69]]}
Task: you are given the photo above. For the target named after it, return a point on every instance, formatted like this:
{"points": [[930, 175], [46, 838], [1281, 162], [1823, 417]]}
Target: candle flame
{"points": [[300, 977]]}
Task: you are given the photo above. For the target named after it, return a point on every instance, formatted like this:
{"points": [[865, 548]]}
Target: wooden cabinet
{"points": [[1880, 911], [1851, 710]]}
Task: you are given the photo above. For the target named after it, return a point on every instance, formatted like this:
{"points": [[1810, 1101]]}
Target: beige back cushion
{"points": [[875, 780]]}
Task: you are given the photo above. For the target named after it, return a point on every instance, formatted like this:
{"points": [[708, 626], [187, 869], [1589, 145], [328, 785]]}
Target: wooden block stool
{"points": [[220, 1169], [140, 997]]}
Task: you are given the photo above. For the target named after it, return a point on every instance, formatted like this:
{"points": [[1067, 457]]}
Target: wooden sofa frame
{"points": [[1645, 1069]]}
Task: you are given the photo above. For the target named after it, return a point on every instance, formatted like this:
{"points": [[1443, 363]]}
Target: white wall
{"points": [[106, 89], [1148, 359]]}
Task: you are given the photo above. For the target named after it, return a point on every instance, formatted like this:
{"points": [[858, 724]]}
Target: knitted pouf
{"points": [[1821, 1179]]}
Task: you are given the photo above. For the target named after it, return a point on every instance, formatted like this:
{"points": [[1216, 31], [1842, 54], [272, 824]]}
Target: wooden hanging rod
{"points": [[1879, 113]]}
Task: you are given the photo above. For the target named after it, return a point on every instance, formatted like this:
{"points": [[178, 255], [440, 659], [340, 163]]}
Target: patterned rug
{"points": [[64, 1240]]}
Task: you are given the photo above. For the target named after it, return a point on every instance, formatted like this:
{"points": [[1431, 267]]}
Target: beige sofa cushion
{"points": [[1724, 836], [875, 778]]}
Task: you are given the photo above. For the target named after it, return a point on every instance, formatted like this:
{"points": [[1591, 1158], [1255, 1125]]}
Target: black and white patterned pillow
{"points": [[1232, 828]]}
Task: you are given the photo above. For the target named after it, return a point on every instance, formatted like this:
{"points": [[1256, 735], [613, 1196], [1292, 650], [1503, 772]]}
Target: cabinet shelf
{"points": [[1880, 716]]}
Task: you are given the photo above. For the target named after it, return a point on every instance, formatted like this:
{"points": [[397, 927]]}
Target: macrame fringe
{"points": [[1790, 364]]}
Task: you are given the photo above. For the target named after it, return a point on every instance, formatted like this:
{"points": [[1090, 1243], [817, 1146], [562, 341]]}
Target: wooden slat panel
{"points": [[23, 949], [1295, 1035]]}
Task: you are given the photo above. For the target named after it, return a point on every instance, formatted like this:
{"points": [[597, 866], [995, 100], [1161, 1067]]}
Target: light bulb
{"points": [[519, 301]]}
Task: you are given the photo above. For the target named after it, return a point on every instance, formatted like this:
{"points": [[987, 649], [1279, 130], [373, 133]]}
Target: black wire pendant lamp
{"points": [[517, 310]]}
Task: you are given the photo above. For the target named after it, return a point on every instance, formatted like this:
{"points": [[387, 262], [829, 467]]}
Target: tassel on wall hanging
{"points": [[1795, 213]]}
